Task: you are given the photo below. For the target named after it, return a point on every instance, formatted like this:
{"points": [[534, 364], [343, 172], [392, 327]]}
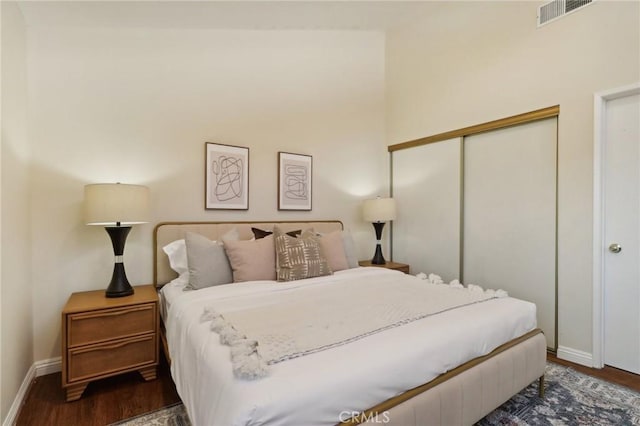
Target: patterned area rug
{"points": [[571, 398], [173, 415]]}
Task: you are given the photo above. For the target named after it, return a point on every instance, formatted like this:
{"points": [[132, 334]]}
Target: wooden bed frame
{"points": [[461, 396]]}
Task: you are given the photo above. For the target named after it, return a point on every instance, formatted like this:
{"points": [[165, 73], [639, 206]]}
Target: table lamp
{"points": [[117, 206], [378, 211]]}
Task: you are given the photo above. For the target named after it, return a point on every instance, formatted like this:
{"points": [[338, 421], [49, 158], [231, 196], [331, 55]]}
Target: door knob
{"points": [[615, 248]]}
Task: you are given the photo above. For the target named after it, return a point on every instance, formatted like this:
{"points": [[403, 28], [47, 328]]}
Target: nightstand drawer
{"points": [[102, 337], [101, 325], [106, 358]]}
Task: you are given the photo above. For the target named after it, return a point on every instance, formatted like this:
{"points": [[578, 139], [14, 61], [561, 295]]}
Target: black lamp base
{"points": [[119, 285], [378, 258]]}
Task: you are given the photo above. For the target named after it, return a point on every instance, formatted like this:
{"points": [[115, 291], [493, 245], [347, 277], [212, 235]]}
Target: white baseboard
{"points": [[37, 369], [574, 355], [48, 366], [12, 415]]}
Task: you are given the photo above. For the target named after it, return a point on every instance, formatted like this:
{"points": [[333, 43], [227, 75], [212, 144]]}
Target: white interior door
{"points": [[509, 231], [622, 233], [426, 187]]}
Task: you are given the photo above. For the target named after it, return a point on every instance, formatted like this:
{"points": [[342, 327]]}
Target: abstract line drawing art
{"points": [[226, 177], [294, 181]]}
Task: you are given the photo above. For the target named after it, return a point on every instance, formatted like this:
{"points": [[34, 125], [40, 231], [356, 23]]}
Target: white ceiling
{"points": [[238, 14]]}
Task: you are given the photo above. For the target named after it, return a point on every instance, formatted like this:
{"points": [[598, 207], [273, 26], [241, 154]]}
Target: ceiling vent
{"points": [[558, 8]]}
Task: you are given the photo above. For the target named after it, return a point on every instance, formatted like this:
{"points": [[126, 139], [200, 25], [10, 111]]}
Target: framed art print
{"points": [[226, 177], [294, 181]]}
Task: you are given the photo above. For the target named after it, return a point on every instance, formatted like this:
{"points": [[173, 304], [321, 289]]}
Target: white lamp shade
{"points": [[379, 210], [108, 204]]}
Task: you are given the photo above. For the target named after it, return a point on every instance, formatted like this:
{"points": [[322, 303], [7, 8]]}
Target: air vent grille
{"points": [[558, 8]]}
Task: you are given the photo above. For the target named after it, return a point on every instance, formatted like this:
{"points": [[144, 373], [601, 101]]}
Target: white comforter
{"points": [[317, 389]]}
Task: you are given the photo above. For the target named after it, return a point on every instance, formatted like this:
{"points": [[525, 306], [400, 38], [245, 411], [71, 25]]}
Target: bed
{"points": [[453, 367]]}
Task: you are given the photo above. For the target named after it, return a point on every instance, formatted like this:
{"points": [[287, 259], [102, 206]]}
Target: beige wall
{"points": [[481, 61], [137, 106], [17, 333]]}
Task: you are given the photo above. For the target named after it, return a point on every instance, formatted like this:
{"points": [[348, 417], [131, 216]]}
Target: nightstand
{"points": [[402, 267], [102, 337]]}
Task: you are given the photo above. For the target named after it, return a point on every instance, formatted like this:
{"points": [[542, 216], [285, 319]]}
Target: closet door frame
{"points": [[528, 117]]}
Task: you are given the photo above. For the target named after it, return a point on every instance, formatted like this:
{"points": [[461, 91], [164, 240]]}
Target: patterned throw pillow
{"points": [[299, 258]]}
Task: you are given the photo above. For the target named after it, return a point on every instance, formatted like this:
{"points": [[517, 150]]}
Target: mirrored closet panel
{"points": [[480, 204]]}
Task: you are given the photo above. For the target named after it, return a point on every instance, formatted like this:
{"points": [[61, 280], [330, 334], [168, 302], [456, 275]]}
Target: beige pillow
{"points": [[333, 248], [299, 258], [252, 260]]}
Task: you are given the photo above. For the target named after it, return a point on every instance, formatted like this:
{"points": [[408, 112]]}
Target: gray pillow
{"points": [[208, 263], [349, 249]]}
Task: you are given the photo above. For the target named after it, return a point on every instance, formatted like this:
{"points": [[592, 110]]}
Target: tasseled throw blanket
{"points": [[284, 325]]}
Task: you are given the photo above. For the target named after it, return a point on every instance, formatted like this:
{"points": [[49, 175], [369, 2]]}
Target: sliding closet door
{"points": [[426, 187], [509, 214]]}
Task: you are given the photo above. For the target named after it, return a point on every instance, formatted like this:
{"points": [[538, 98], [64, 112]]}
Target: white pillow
{"points": [[177, 253]]}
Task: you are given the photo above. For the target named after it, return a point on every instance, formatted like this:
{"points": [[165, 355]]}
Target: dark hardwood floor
{"points": [[117, 398], [610, 374], [103, 402]]}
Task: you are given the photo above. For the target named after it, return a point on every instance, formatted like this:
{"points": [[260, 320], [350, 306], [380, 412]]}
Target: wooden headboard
{"points": [[166, 232]]}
